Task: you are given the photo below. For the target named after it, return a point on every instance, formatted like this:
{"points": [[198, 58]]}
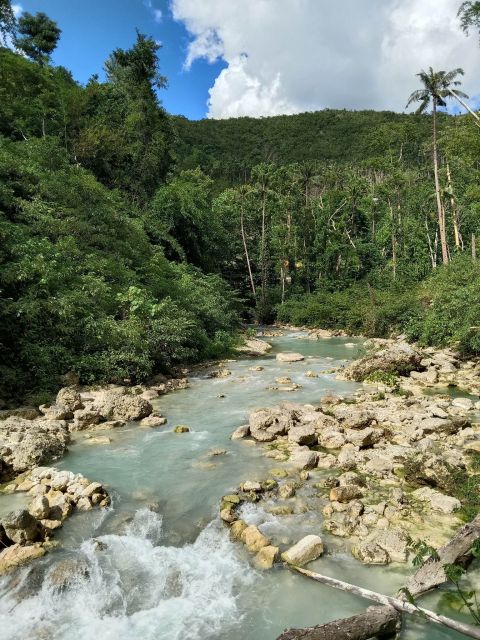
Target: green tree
{"points": [[469, 14], [8, 22], [39, 36], [436, 89]]}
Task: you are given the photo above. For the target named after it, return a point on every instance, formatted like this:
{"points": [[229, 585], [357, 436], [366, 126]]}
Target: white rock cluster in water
{"points": [[55, 494]]}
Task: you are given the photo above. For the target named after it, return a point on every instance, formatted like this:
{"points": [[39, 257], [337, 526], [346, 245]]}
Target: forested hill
{"points": [[226, 148], [132, 241]]}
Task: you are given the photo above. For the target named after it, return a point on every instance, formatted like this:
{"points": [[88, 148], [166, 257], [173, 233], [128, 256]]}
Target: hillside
{"points": [[225, 148]]}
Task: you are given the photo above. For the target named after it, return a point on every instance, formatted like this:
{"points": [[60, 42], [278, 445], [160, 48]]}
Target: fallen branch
{"points": [[432, 574], [429, 576], [389, 601], [375, 621]]}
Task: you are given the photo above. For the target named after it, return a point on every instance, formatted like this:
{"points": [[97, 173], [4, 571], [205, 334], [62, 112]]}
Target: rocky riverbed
{"points": [[380, 464], [320, 471], [31, 437]]}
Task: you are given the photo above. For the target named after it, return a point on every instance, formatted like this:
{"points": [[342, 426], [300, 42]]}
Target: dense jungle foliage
{"points": [[132, 241]]}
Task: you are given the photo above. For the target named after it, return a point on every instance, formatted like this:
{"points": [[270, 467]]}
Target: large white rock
{"points": [[437, 501], [254, 347], [307, 549], [290, 357]]}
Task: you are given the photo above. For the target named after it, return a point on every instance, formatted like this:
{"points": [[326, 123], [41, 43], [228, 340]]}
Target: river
{"points": [[172, 573]]}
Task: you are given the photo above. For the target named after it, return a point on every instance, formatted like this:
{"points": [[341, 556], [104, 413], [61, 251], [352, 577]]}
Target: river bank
{"points": [[183, 478]]}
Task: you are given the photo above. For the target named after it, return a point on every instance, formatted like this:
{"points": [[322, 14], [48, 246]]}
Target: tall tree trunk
{"points": [[441, 213], [455, 217], [394, 241], [263, 241], [252, 283], [465, 105]]}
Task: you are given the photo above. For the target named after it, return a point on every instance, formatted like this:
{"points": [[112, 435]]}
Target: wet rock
{"points": [[120, 405], [180, 428], [17, 555], [436, 500], [304, 459], [217, 452], [304, 435], [39, 508], [84, 504], [21, 527], [370, 553], [237, 529], [153, 421], [345, 493], [266, 557], [311, 374], [286, 491], [289, 357], [99, 440], [307, 549], [228, 515], [241, 432], [220, 373], [50, 525], [253, 539], [66, 573], [266, 424], [283, 380], [250, 485]]}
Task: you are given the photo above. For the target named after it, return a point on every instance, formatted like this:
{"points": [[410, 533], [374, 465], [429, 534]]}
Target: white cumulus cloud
{"points": [[287, 56]]}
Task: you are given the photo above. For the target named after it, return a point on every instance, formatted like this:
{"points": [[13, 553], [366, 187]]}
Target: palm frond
{"points": [[418, 96]]}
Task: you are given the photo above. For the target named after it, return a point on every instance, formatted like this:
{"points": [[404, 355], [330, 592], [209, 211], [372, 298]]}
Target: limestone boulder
{"points": [[254, 347], [436, 500], [303, 459], [267, 424], [25, 444], [393, 357], [17, 555], [266, 557], [70, 398], [307, 549], [253, 539], [303, 435], [21, 527], [289, 357], [241, 432]]}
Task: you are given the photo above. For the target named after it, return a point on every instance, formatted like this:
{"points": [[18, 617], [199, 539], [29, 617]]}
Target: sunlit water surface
{"points": [[172, 573]]}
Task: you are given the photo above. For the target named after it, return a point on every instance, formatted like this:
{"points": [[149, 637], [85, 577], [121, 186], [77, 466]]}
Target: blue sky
{"points": [[267, 57], [91, 29]]}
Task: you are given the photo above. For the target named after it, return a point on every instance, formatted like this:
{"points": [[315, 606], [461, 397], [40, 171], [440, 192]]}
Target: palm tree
{"points": [[437, 87]]}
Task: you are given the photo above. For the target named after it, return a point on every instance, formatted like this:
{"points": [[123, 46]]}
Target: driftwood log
{"points": [[382, 621]]}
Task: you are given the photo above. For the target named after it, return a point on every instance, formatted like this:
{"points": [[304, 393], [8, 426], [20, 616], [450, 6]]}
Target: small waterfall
{"points": [[126, 588]]}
